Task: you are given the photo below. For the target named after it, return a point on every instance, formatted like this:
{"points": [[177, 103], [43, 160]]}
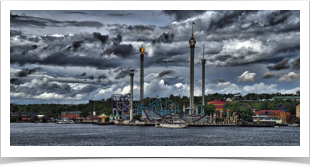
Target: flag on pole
{"points": [[193, 23], [156, 95]]}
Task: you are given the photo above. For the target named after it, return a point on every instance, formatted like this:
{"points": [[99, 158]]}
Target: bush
{"points": [[12, 119]]}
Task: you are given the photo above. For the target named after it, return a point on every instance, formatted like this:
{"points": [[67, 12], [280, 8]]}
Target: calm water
{"points": [[52, 134]]}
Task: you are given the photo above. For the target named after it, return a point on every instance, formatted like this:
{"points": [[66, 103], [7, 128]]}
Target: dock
{"points": [[103, 123], [189, 125]]}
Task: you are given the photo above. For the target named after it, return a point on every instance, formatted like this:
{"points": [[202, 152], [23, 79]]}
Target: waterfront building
{"points": [[272, 113], [266, 119], [91, 118], [71, 114], [298, 111]]}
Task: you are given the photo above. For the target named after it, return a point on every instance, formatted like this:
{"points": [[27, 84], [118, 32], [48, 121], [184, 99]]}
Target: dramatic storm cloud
{"points": [[281, 65], [25, 72], [76, 56]]}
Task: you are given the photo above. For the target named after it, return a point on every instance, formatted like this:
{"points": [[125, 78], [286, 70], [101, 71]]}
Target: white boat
{"points": [[65, 121], [171, 125], [294, 125], [276, 126]]}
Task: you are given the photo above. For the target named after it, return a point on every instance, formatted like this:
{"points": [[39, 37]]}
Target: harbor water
{"points": [[52, 134]]}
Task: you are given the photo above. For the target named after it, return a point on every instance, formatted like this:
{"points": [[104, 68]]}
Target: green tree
{"points": [[289, 100], [13, 119], [137, 116], [84, 112], [34, 118], [59, 109], [209, 108], [19, 117]]}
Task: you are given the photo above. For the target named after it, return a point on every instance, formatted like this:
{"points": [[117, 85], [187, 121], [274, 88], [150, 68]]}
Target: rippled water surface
{"points": [[52, 134]]}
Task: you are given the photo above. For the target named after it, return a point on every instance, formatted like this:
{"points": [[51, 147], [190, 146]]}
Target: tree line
{"points": [[242, 108]]}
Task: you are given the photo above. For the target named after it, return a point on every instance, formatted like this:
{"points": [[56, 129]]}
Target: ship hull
{"points": [[173, 126]]}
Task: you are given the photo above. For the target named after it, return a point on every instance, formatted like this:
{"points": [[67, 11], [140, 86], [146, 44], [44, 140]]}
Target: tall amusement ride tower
{"points": [[141, 50], [192, 43], [203, 62]]}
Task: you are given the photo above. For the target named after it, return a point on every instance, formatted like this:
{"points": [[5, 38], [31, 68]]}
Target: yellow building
{"points": [[298, 111]]}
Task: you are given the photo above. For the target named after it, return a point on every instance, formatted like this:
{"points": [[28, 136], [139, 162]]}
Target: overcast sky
{"points": [[76, 56]]}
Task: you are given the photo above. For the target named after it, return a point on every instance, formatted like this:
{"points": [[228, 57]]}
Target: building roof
{"points": [[218, 102], [287, 114], [218, 106]]}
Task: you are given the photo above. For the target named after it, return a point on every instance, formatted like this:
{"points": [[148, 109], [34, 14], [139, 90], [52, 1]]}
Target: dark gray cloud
{"points": [[36, 22], [119, 15], [25, 72], [182, 14], [296, 64], [83, 74], [164, 38], [219, 80], [122, 50], [102, 38], [269, 75], [91, 77], [13, 80], [281, 65], [102, 77], [223, 19], [166, 72], [62, 59], [123, 72]]}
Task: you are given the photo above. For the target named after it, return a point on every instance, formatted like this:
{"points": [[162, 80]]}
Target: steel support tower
{"points": [[131, 94], [203, 62], [192, 43], [141, 78]]}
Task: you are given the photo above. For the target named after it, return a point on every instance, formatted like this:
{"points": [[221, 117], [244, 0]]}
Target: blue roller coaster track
{"points": [[164, 106]]}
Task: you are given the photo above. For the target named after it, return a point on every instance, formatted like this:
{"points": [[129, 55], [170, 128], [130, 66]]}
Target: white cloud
{"points": [[290, 76], [246, 77], [49, 96], [289, 90], [260, 88], [223, 85]]}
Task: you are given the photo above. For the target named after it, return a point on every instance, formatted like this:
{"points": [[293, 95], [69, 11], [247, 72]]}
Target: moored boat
{"points": [[171, 125], [65, 121], [294, 125]]}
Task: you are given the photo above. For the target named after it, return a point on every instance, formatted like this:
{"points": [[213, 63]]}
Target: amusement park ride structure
{"points": [[164, 108]]}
